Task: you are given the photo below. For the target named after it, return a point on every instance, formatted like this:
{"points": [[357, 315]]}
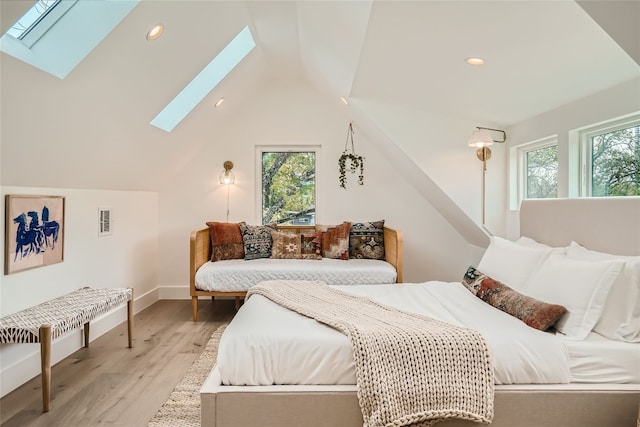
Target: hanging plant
{"points": [[350, 161]]}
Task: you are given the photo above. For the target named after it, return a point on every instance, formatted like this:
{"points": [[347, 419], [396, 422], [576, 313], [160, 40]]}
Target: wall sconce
{"points": [[227, 176], [481, 139]]}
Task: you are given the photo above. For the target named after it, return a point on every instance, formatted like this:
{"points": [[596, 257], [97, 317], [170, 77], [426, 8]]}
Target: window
{"points": [[288, 182], [611, 159], [537, 169]]}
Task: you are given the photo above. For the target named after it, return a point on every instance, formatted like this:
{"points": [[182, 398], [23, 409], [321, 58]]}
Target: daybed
{"points": [[583, 379], [233, 277]]}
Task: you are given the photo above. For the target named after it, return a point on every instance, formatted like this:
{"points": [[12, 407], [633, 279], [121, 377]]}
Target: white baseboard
{"points": [[21, 362]]}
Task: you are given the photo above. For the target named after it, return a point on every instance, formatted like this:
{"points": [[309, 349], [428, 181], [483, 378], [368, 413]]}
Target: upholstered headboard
{"points": [[609, 225]]}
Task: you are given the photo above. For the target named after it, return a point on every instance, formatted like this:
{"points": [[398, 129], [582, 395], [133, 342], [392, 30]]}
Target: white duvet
{"points": [[266, 344]]}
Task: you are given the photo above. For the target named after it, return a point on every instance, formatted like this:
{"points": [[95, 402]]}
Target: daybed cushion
{"points": [[335, 241], [620, 319], [580, 286], [366, 240], [537, 314], [226, 241], [238, 275]]}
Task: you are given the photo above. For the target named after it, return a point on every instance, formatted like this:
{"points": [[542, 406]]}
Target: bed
{"points": [[601, 386], [232, 277]]}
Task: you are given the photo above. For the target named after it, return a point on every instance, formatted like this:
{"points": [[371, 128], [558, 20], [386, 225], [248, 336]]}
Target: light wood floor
{"points": [[110, 384]]}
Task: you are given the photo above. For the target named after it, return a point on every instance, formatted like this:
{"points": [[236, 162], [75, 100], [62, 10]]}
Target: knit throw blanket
{"points": [[411, 370]]}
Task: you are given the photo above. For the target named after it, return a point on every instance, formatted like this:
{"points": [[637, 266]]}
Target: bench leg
{"points": [[86, 335], [194, 308], [237, 303], [130, 321], [45, 365]]}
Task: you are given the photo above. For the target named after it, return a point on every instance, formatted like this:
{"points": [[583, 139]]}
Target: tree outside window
{"points": [[615, 163], [542, 172], [289, 187]]}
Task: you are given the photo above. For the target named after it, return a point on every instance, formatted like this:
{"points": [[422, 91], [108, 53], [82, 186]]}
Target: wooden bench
{"points": [[54, 318]]}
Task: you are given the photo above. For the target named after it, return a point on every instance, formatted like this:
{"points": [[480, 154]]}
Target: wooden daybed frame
{"points": [[606, 225], [200, 253]]}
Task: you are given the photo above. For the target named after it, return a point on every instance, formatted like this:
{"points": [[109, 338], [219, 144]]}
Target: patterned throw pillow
{"points": [[226, 241], [335, 241], [537, 314], [296, 246], [257, 241], [366, 240]]}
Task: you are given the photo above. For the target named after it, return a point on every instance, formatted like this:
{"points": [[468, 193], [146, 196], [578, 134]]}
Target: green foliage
{"points": [[542, 172], [355, 162], [616, 163], [288, 186]]}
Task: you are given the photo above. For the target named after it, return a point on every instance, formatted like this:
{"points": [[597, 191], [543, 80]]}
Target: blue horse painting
{"points": [[34, 236]]}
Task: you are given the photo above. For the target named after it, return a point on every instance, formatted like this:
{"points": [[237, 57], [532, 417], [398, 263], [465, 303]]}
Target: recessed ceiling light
{"points": [[344, 100], [474, 61], [155, 32], [219, 103]]}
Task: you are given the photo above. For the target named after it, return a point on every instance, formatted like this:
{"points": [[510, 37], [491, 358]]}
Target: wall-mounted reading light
{"points": [[227, 177], [481, 139]]}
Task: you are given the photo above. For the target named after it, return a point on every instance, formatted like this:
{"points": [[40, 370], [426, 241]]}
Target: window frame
{"points": [[585, 152], [260, 149]]}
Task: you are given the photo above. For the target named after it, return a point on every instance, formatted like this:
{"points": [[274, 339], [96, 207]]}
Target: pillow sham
{"points": [[580, 286], [536, 314], [510, 262], [257, 241], [335, 241], [366, 240], [295, 246], [620, 319], [226, 241]]}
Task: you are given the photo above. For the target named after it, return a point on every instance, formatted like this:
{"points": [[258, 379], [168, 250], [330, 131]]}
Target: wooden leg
{"points": [[194, 308], [130, 320], [237, 303], [86, 335], [45, 365]]}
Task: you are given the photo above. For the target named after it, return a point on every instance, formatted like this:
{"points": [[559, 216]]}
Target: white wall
{"points": [[289, 113], [126, 258]]}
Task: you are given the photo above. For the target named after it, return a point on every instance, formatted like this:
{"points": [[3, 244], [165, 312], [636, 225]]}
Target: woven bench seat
{"points": [[56, 317]]}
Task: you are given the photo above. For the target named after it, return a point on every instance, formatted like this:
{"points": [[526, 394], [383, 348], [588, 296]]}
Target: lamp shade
{"points": [[480, 138]]}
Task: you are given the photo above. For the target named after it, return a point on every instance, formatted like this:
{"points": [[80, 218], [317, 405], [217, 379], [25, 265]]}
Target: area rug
{"points": [[183, 407]]}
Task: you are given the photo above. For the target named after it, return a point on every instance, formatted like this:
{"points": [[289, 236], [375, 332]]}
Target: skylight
{"points": [[56, 35], [205, 81]]}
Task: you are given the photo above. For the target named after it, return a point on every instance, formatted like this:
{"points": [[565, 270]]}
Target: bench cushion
{"points": [[63, 314]]}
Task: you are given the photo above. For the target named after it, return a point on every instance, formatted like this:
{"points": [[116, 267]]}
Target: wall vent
{"points": [[106, 222]]}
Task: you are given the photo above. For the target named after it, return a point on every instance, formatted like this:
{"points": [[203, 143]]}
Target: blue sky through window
{"points": [[205, 81]]}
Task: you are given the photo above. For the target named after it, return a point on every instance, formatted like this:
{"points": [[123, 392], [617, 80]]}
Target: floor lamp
{"points": [[227, 177], [481, 139]]}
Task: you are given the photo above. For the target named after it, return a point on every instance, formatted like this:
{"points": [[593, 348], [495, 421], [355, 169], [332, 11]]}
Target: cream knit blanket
{"points": [[410, 369]]}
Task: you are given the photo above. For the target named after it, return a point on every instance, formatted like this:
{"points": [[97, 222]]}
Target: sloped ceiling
{"points": [[92, 129]]}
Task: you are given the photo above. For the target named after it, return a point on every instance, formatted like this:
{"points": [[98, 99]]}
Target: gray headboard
{"points": [[603, 224]]}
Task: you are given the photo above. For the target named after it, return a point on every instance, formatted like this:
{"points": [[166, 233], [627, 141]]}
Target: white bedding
{"points": [[266, 344], [600, 360], [239, 274]]}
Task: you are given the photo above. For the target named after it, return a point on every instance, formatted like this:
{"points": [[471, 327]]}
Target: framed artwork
{"points": [[34, 232]]}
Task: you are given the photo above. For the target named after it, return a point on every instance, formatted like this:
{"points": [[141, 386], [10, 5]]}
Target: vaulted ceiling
{"points": [[539, 55]]}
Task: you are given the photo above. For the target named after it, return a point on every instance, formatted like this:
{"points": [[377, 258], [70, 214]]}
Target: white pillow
{"points": [[511, 263], [532, 243], [620, 318], [580, 286]]}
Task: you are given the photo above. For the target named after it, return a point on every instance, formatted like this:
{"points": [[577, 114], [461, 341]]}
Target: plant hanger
{"points": [[355, 161]]}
